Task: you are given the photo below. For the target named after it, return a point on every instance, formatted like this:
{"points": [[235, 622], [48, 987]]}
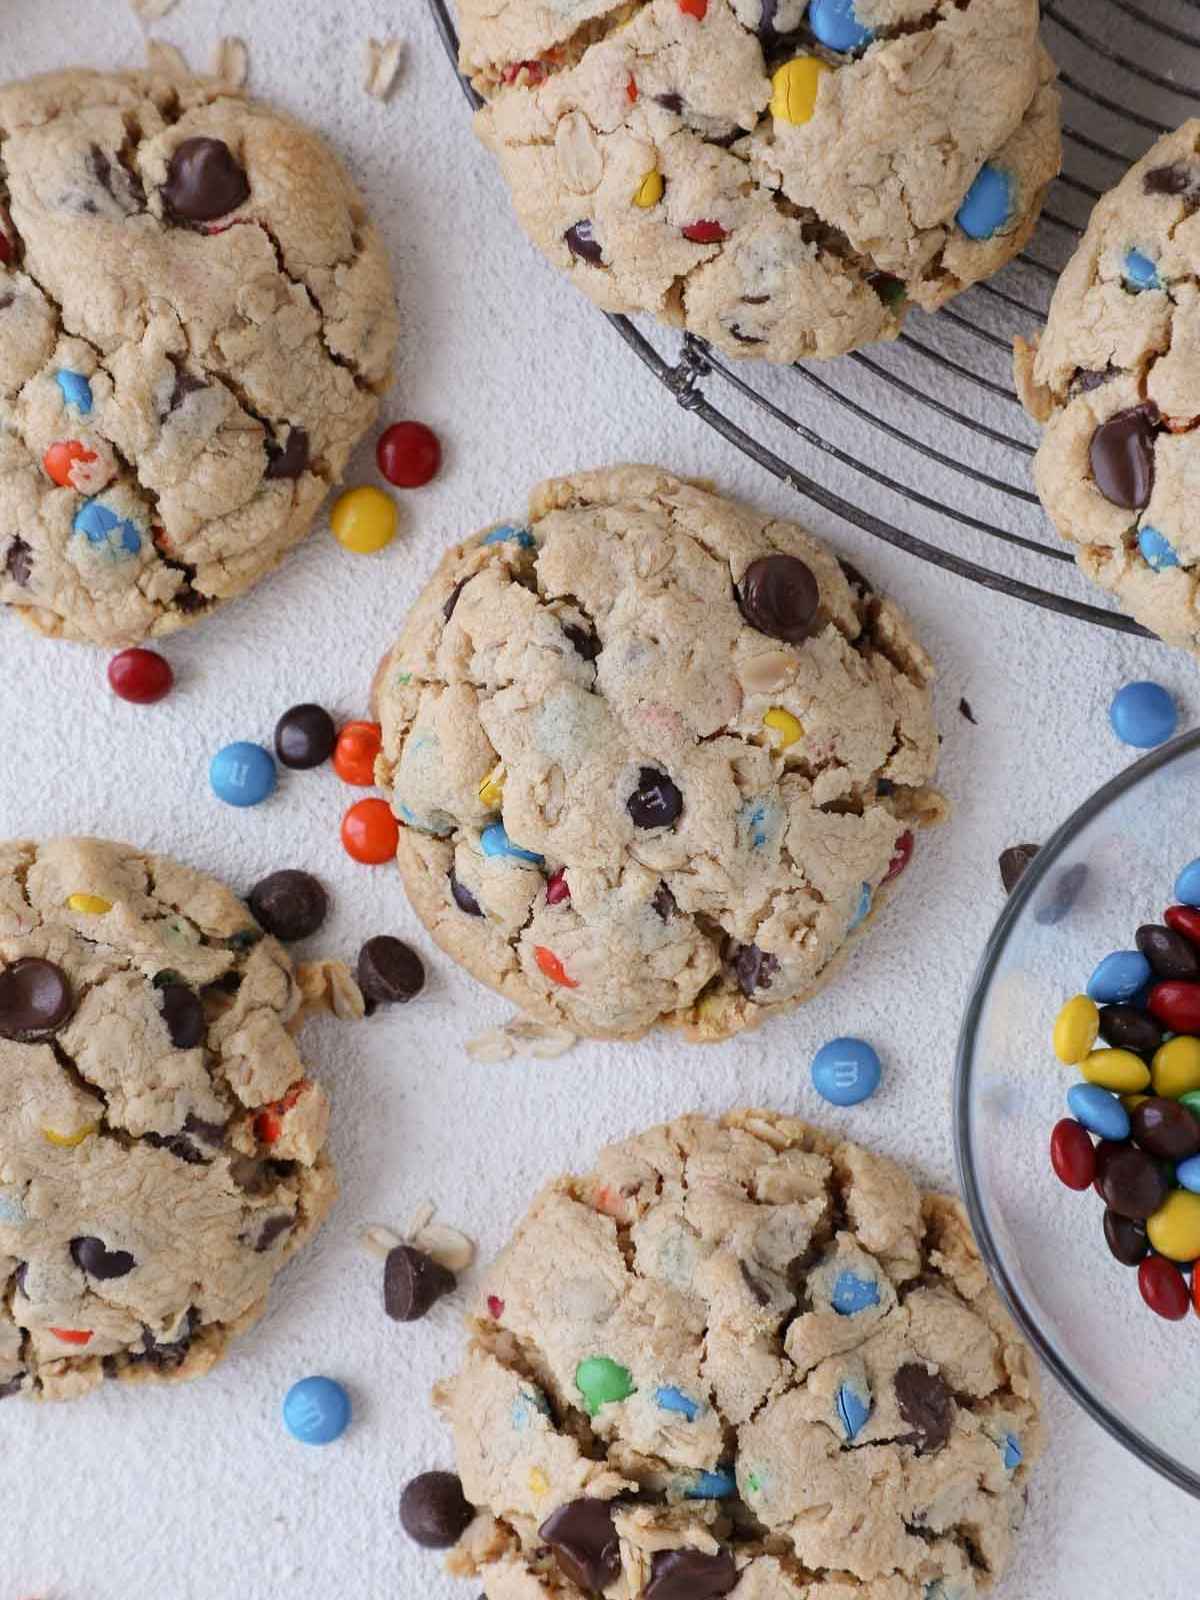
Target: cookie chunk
{"points": [[196, 321], [783, 177], [653, 753], [160, 1141], [744, 1355], [1115, 378]]}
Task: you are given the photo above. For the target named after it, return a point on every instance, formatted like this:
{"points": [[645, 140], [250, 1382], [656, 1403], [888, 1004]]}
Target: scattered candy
{"points": [[1163, 1288], [1075, 1030], [60, 461], [558, 889], [1175, 1068], [434, 1511], [408, 454], [1100, 1111], [1072, 1154], [289, 904], [852, 1294], [363, 520], [370, 833], [853, 1411], [242, 774], [1176, 1005], [1187, 1174], [1169, 953], [794, 89], [1119, 1070], [495, 1307], [102, 527], [694, 8], [72, 1335], [846, 1071], [1174, 1228], [304, 736], [389, 971], [1184, 920], [1129, 1181], [69, 1141], [1127, 1028], [668, 1398], [413, 1283], [1126, 1239], [861, 908], [602, 1381], [1166, 1129], [789, 728], [1139, 272], [140, 676], [1143, 715], [1119, 976], [316, 1410], [988, 203], [358, 743], [1157, 550], [656, 802], [836, 25], [1187, 889]]}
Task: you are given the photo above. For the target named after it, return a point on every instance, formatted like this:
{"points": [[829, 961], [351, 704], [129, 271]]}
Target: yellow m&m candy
{"points": [[1174, 1229], [794, 89], [649, 191], [364, 520], [90, 905], [1075, 1030], [789, 728], [1175, 1067]]}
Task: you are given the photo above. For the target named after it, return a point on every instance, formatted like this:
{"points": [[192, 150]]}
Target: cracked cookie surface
{"points": [[653, 753], [160, 1143], [1115, 379], [742, 1354], [716, 163], [196, 321]]}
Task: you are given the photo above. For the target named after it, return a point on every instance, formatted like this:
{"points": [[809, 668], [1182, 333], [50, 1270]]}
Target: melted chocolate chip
{"points": [[744, 338], [273, 1228], [925, 1404], [452, 600], [1176, 179], [204, 181], [290, 460], [434, 1510], [861, 585], [183, 1012], [778, 596], [581, 241], [35, 999], [1085, 380], [671, 102], [184, 385], [584, 1542], [18, 562], [119, 183], [656, 802], [463, 898], [12, 1386], [90, 1255], [1013, 862], [1122, 456], [753, 968], [584, 640], [290, 904], [166, 1357], [757, 1288], [413, 1283], [690, 1575], [664, 901]]}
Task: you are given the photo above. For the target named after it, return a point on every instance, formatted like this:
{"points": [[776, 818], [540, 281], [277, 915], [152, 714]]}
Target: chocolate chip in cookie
{"points": [[584, 1542], [925, 1404], [204, 181]]}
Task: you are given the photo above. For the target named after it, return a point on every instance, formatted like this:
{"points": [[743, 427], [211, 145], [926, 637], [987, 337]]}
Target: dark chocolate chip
{"points": [[925, 1404], [584, 640], [305, 736], [433, 1510], [208, 1132], [204, 181], [452, 601], [690, 1575], [183, 1012], [581, 241], [35, 999], [1086, 380], [1122, 456], [964, 710], [18, 561], [290, 904], [165, 1357], [884, 787], [672, 102], [656, 802], [1013, 862], [289, 460], [753, 968], [119, 183], [1173, 179], [389, 971], [90, 1255], [756, 1286], [778, 596], [1130, 1028], [1128, 1180], [21, 1277], [413, 1283], [1165, 1129], [744, 338], [6, 296], [664, 901], [463, 898], [862, 585], [180, 1147], [184, 385], [1126, 1238], [1062, 895], [1170, 955], [273, 1228], [584, 1542], [12, 1386]]}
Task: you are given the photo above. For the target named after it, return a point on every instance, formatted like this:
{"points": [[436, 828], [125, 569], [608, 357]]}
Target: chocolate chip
{"points": [[664, 901], [290, 460], [120, 183], [656, 802], [925, 1404], [35, 999], [20, 1278], [753, 968], [581, 241], [690, 1575], [744, 338], [757, 1288], [389, 971], [778, 596], [18, 562], [305, 736], [90, 1255], [6, 296], [413, 1283], [674, 102], [1122, 456], [1085, 380], [452, 601], [290, 904], [1176, 178], [184, 385], [584, 640], [1170, 955], [884, 787], [204, 181], [964, 710], [183, 1012], [862, 586], [165, 1357], [273, 1228], [1013, 862], [463, 898], [433, 1510], [1062, 895], [584, 1542], [1130, 1028], [12, 1386]]}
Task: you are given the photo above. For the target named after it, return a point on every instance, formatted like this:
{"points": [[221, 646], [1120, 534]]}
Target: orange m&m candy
{"points": [[370, 833], [354, 754], [552, 967], [61, 457], [72, 1335]]}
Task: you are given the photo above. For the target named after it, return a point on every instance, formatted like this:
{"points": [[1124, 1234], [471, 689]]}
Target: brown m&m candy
{"points": [[35, 999], [204, 181], [778, 596], [1122, 456]]}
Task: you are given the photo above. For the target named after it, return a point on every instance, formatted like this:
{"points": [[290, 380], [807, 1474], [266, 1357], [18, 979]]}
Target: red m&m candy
{"points": [[141, 676], [557, 888], [495, 1307], [1176, 1004], [704, 231], [370, 833], [1164, 1288], [1184, 920], [409, 454], [901, 856], [1071, 1154]]}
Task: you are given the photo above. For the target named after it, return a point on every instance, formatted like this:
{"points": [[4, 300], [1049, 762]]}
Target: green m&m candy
{"points": [[601, 1381]]}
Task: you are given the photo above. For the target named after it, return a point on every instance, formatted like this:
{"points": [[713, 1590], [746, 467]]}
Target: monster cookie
{"points": [[160, 1142], [741, 1357], [654, 754], [1115, 379], [784, 177], [196, 319]]}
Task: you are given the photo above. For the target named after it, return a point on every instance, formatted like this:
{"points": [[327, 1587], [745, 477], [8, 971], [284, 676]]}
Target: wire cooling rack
{"points": [[923, 442]]}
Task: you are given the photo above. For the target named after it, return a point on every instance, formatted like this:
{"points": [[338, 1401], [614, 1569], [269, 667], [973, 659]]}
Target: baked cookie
{"points": [[1115, 378], [783, 177], [655, 755], [196, 321], [741, 1356], [160, 1143]]}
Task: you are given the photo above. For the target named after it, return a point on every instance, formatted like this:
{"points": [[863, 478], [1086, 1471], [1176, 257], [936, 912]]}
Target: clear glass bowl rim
{"points": [[1035, 874]]}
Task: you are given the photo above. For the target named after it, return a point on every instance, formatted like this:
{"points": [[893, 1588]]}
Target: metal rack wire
{"points": [[933, 449]]}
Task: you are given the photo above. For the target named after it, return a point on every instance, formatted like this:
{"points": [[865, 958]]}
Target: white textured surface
{"points": [[198, 1492]]}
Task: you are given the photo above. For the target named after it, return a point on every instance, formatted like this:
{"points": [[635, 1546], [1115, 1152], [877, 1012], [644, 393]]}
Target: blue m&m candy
{"points": [[507, 534], [75, 389], [1187, 1174], [852, 1294], [1156, 549], [1143, 715], [316, 1411], [845, 1071], [1119, 977], [864, 905], [1099, 1110], [717, 1485], [837, 27], [242, 774], [100, 525], [494, 841], [1187, 884], [988, 203], [1139, 272]]}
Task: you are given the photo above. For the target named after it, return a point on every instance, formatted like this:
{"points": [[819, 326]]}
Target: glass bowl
{"points": [[1109, 868]]}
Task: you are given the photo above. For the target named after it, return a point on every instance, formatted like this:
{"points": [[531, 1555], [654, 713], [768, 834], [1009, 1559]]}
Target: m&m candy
{"points": [[846, 1071], [370, 832], [316, 1410], [364, 520], [242, 774], [358, 743], [1143, 715], [140, 676], [409, 454]]}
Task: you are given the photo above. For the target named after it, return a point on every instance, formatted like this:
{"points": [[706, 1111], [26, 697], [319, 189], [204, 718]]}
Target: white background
{"points": [[197, 1491]]}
